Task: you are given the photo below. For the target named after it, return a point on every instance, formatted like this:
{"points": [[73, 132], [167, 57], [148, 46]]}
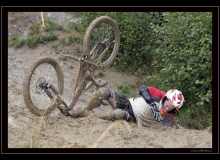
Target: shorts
{"points": [[124, 104]]}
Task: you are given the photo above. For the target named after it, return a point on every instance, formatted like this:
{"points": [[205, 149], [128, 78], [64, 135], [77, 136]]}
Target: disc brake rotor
{"points": [[40, 85]]}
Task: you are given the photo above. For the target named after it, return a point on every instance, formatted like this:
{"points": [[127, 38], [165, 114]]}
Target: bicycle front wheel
{"points": [[102, 34], [40, 75]]}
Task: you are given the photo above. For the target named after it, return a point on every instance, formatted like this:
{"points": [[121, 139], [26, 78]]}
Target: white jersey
{"points": [[143, 112]]}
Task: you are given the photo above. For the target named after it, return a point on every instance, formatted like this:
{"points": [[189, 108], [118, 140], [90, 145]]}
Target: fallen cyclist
{"points": [[151, 107]]}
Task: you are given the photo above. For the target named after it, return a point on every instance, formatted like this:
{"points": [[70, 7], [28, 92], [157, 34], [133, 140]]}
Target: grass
{"points": [[126, 89], [78, 39], [71, 39], [100, 74], [35, 29], [37, 34], [192, 119], [78, 54], [62, 41], [122, 70], [48, 37], [55, 47], [14, 41], [34, 40], [78, 50], [72, 25], [51, 26]]}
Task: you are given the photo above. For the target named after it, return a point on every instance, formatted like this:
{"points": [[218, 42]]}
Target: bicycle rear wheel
{"points": [[102, 34], [43, 72]]}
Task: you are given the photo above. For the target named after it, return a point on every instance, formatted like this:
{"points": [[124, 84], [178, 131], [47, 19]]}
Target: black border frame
{"points": [[4, 60]]}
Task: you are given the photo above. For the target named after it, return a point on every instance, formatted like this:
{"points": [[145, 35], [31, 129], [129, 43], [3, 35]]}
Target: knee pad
{"points": [[104, 93], [119, 114], [145, 93], [143, 88]]}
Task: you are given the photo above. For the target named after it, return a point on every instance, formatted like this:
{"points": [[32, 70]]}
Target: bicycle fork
{"points": [[56, 100]]}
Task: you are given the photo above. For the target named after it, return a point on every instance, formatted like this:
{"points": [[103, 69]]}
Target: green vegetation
{"points": [[126, 89], [55, 47], [51, 26], [33, 41], [73, 25], [78, 50], [35, 29], [14, 41], [100, 74], [38, 34], [71, 39]]}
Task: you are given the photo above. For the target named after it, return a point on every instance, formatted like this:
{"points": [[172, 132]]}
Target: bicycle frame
{"points": [[86, 71], [104, 36]]}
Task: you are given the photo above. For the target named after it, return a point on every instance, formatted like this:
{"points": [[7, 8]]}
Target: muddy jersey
{"points": [[144, 115]]}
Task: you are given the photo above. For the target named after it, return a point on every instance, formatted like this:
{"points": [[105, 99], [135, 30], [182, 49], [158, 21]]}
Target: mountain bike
{"points": [[44, 81]]}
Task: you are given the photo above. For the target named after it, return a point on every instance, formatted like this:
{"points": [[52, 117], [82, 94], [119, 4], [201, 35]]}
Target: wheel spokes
{"points": [[42, 77], [103, 34]]}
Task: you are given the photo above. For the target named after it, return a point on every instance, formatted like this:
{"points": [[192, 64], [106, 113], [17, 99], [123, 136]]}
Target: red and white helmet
{"points": [[175, 97]]}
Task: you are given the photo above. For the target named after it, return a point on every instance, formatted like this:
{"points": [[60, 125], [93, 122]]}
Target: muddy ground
{"points": [[56, 131]]}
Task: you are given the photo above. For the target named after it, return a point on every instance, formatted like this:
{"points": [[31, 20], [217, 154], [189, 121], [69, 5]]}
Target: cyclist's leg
{"points": [[120, 105], [119, 114], [100, 95], [118, 102]]}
